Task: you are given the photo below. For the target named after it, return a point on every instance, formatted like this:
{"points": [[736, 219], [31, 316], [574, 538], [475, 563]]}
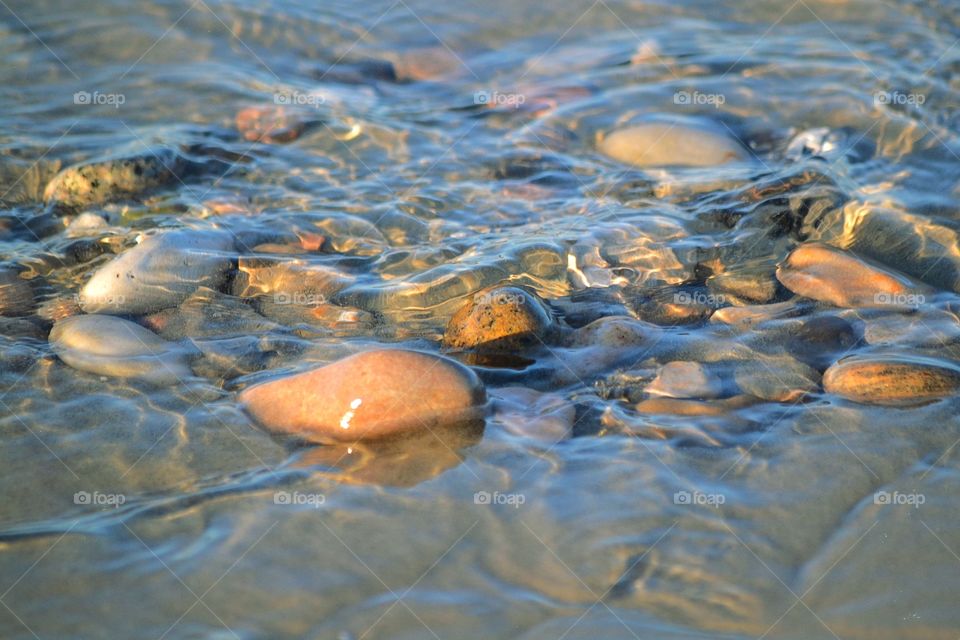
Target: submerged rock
{"points": [[504, 318], [271, 124], [892, 380], [688, 407], [827, 274], [751, 315], [115, 347], [371, 395], [532, 414], [615, 332], [685, 380], [778, 379], [287, 281], [670, 306], [744, 288], [926, 328], [675, 142], [115, 178], [208, 314], [161, 271], [16, 294]]}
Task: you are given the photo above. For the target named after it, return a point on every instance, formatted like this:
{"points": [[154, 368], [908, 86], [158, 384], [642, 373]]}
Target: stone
{"points": [[670, 306], [752, 315], [114, 178], [615, 332], [676, 142], [272, 124], [831, 275], [743, 288], [16, 294], [367, 396], [777, 379], [498, 319], [687, 407], [426, 64], [892, 380], [931, 328], [287, 281], [114, 347], [208, 314], [161, 271], [685, 380]]}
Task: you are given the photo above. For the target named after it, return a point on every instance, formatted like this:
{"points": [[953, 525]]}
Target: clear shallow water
{"points": [[425, 197]]}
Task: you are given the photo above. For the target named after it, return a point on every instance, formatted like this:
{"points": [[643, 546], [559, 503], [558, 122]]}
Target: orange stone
{"points": [[372, 395], [270, 124], [891, 381], [828, 274]]}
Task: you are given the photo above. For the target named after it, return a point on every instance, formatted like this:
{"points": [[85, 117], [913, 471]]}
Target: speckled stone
{"points": [[891, 381], [502, 318], [114, 178], [161, 271]]}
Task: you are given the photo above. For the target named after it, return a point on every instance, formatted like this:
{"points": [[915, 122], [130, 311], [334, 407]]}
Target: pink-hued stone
{"points": [[841, 278], [370, 395]]}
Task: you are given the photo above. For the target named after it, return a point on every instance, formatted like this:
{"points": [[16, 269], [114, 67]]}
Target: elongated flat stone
{"points": [[371, 395], [827, 274], [677, 143], [892, 380], [114, 178], [110, 346]]}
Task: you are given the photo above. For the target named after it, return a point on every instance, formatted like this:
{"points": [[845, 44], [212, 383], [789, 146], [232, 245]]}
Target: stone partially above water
{"points": [[503, 318], [371, 395], [114, 178], [674, 142], [892, 380], [109, 346], [827, 274], [161, 271]]}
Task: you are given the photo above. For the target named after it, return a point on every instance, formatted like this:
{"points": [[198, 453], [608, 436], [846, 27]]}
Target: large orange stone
{"points": [[892, 381], [841, 278], [371, 395]]}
